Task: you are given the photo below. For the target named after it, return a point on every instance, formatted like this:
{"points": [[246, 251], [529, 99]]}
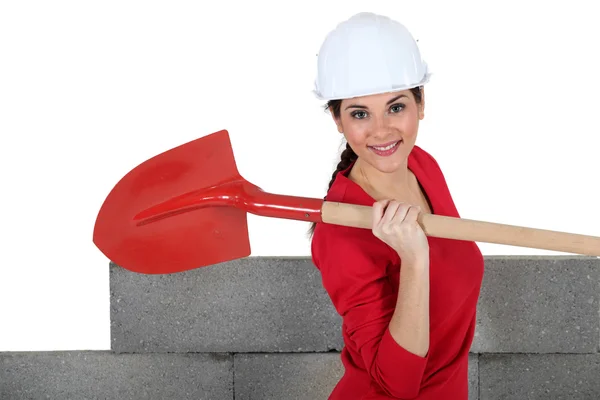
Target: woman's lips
{"points": [[386, 149]]}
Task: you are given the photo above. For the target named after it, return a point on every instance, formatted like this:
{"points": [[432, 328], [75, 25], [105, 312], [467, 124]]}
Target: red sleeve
{"points": [[353, 269]]}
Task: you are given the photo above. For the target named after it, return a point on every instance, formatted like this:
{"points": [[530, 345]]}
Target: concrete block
{"points": [[539, 376], [286, 376], [473, 376], [302, 376], [103, 375], [538, 305], [527, 304], [247, 305]]}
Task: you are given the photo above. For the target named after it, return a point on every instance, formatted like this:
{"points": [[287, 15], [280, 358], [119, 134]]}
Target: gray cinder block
{"points": [[103, 375], [527, 304], [302, 376], [246, 305], [286, 376], [473, 377], [539, 376], [538, 305]]}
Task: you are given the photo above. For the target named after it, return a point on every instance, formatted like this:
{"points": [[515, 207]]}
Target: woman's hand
{"points": [[395, 223]]}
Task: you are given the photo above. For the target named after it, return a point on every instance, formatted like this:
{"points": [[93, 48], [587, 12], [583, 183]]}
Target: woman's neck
{"points": [[381, 185]]}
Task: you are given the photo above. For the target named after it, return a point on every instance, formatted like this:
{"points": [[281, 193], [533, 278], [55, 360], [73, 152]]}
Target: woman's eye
{"points": [[397, 108], [359, 114]]}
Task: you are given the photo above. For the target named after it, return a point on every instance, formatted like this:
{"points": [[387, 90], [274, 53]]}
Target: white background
{"points": [[88, 90]]}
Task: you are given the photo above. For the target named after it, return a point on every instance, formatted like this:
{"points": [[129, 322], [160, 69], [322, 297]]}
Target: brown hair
{"points": [[348, 156]]}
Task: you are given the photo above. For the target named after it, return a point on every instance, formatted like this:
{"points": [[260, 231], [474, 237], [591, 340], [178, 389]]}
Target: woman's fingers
{"points": [[378, 211]]}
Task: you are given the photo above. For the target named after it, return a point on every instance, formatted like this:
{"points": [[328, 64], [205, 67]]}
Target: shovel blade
{"points": [[184, 241]]}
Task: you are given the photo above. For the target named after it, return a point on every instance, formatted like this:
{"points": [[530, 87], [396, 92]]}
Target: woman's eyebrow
{"points": [[388, 103]]}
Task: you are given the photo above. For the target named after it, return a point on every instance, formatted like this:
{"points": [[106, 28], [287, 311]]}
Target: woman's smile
{"points": [[387, 149]]}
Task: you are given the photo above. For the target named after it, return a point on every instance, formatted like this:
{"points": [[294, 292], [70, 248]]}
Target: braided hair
{"points": [[348, 156]]}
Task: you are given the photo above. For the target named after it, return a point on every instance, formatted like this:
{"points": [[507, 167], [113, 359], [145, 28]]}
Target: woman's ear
{"points": [[337, 122]]}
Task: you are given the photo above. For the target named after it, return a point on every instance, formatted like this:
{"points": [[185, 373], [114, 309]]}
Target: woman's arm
{"points": [[409, 325]]}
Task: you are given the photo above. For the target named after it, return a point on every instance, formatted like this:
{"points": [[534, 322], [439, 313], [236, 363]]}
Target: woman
{"points": [[408, 301]]}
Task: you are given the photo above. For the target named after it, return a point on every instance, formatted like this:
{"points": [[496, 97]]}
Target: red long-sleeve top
{"points": [[361, 275]]}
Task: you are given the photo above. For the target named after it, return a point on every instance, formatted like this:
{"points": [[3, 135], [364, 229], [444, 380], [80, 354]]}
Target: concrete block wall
{"points": [[264, 328]]}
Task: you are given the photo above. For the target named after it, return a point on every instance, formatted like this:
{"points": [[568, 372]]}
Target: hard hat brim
{"points": [[343, 96]]}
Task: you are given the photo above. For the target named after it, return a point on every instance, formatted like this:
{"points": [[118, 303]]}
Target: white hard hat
{"points": [[368, 54]]}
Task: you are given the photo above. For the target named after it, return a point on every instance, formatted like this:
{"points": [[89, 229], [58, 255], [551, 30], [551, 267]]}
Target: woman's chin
{"points": [[388, 164]]}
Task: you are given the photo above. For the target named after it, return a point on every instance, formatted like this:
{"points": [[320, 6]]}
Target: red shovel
{"points": [[186, 208]]}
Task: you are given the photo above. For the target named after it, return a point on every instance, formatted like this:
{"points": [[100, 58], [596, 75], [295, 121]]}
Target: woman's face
{"points": [[382, 128]]}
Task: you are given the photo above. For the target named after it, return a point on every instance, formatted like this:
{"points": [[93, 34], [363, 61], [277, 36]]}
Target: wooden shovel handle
{"points": [[464, 229]]}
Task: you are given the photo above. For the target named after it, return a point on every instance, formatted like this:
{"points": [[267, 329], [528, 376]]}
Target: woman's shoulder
{"points": [[428, 170], [424, 158], [331, 242]]}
